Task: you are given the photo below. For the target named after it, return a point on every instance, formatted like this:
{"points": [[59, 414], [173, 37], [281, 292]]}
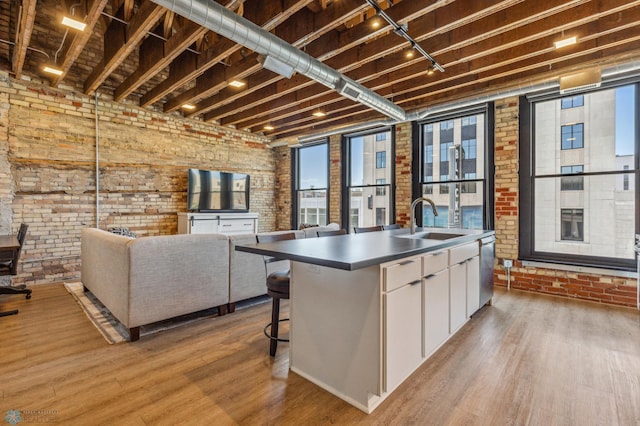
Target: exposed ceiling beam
{"points": [[157, 56], [183, 71], [216, 74], [120, 41], [297, 35], [380, 47], [74, 44], [27, 13], [448, 44]]}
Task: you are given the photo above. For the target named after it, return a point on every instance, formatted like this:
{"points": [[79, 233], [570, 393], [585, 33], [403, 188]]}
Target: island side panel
{"points": [[336, 331]]}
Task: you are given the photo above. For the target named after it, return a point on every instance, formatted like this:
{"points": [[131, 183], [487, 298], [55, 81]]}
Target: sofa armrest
{"points": [[104, 270]]}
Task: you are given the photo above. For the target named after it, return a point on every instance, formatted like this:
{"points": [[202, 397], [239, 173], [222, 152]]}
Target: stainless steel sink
{"points": [[431, 236]]}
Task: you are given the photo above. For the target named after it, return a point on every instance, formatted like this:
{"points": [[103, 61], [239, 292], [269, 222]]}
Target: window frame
{"points": [[526, 177], [295, 180], [489, 176], [345, 173]]}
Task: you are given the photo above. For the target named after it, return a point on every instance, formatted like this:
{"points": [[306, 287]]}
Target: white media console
{"points": [[217, 223]]}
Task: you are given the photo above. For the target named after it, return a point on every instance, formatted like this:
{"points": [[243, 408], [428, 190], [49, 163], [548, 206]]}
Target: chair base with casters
{"points": [[19, 289], [9, 267]]}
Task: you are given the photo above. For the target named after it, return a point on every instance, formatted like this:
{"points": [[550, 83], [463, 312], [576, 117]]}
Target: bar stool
{"points": [[278, 284]]}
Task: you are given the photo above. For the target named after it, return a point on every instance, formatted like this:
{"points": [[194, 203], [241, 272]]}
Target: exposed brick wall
{"points": [[403, 173], [48, 138], [282, 205], [335, 179], [594, 287], [506, 178]]}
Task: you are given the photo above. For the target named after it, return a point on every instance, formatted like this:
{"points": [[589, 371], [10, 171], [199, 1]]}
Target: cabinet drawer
{"points": [[434, 262], [404, 272], [237, 226], [462, 253]]}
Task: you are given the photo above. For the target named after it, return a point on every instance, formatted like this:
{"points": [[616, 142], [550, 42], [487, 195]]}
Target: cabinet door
{"points": [[473, 285], [436, 310], [204, 226], [457, 295], [403, 333]]}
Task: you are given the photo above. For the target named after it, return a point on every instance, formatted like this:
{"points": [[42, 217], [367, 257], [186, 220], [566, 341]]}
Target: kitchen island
{"points": [[367, 309]]}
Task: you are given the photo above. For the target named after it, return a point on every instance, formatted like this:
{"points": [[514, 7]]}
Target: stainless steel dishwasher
{"points": [[487, 255]]}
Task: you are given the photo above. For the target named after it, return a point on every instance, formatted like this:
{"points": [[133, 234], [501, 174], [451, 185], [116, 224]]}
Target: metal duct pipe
{"points": [[228, 24]]}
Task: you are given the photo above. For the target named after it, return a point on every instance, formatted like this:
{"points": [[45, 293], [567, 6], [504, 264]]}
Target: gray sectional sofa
{"points": [[149, 279]]}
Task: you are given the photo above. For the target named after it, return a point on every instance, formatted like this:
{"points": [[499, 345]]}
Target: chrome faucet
{"points": [[412, 213]]}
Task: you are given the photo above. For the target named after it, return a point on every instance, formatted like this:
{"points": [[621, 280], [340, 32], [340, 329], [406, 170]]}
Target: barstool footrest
{"points": [[278, 339]]}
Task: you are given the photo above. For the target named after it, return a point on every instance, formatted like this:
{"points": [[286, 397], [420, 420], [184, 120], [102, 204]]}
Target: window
{"points": [[572, 136], [574, 208], [367, 198], [381, 191], [574, 183], [572, 102], [381, 216], [572, 224], [625, 179], [457, 180], [311, 184]]}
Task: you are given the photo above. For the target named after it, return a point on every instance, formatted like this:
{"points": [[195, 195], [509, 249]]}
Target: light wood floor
{"points": [[527, 360]]}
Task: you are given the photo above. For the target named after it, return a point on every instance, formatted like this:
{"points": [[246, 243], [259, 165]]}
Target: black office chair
{"points": [[278, 284], [392, 226], [360, 230], [331, 233], [10, 267]]}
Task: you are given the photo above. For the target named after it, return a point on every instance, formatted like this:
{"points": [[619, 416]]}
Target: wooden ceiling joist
{"points": [[27, 14], [121, 40], [77, 40], [268, 18]]}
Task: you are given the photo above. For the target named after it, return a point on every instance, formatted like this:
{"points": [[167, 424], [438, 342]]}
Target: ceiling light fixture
{"points": [[189, 106], [237, 84], [410, 54], [565, 42], [268, 127], [72, 23], [52, 70], [401, 30], [319, 113]]}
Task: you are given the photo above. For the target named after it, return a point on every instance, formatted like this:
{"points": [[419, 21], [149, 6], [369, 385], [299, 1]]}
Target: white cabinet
{"points": [[464, 283], [403, 333], [217, 223], [473, 285], [402, 319], [436, 310], [457, 296]]}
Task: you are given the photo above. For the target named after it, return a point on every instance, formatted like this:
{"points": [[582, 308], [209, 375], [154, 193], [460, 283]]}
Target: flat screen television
{"points": [[213, 191]]}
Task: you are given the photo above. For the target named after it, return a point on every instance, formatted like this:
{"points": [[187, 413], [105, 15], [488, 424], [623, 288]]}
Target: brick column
{"points": [[506, 178], [283, 187], [403, 173], [335, 183]]}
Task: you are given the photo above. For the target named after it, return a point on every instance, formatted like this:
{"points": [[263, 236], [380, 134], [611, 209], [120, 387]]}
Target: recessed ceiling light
{"points": [[237, 83], [565, 42], [52, 70], [319, 113], [269, 127], [188, 106], [72, 23]]}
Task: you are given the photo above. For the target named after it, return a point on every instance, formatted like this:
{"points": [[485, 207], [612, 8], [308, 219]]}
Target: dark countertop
{"points": [[355, 251]]}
